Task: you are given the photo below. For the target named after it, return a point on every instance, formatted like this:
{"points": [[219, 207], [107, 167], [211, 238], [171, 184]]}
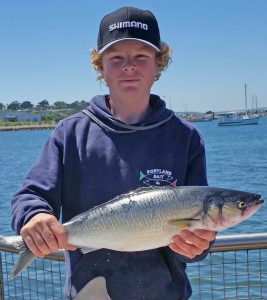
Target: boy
{"points": [[124, 140]]}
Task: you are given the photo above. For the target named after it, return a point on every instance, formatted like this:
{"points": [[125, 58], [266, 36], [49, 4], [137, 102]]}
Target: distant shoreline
{"points": [[27, 127]]}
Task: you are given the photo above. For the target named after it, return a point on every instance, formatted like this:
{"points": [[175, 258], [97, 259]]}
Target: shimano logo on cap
{"points": [[128, 24]]}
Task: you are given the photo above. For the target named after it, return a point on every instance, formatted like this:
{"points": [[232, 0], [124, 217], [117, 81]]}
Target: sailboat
{"points": [[232, 118]]}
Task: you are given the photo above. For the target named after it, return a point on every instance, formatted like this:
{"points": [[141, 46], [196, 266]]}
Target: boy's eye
{"points": [[118, 57], [141, 56]]}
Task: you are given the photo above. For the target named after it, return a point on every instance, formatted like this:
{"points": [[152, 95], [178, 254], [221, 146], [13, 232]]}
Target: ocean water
{"points": [[236, 158]]}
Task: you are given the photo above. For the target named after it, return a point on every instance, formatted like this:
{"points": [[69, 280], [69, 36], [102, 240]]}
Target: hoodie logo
{"points": [[159, 177]]}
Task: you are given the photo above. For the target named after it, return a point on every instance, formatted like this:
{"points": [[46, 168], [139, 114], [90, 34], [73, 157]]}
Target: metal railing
{"points": [[235, 268]]}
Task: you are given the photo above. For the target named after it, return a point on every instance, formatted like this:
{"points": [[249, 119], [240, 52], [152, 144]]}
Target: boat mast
{"points": [[246, 99]]}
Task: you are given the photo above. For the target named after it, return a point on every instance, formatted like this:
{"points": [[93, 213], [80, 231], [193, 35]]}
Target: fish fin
{"points": [[182, 223], [25, 258], [145, 189], [25, 255], [87, 250]]}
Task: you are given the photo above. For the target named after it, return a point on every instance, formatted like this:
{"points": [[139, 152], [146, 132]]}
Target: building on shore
{"points": [[19, 116]]}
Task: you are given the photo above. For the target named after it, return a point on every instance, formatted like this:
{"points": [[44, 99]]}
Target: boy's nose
{"points": [[129, 64]]}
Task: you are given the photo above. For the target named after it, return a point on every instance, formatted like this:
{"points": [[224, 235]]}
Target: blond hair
{"points": [[163, 59]]}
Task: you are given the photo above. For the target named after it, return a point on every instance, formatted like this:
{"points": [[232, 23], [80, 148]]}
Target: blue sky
{"points": [[218, 46]]}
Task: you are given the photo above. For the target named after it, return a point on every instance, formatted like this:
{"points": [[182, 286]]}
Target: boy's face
{"points": [[129, 68]]}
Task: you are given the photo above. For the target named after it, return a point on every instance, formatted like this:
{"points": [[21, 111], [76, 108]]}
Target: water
{"points": [[236, 158], [18, 151]]}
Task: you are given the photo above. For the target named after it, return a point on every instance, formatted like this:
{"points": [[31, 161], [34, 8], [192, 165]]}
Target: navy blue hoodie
{"points": [[87, 161]]}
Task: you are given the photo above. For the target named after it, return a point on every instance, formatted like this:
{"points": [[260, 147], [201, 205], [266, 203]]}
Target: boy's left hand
{"points": [[192, 243]]}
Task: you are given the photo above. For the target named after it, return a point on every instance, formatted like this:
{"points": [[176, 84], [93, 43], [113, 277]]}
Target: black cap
{"points": [[128, 23]]}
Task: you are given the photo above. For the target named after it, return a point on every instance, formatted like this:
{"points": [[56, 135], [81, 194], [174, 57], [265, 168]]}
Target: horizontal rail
{"points": [[240, 242], [232, 270], [222, 243]]}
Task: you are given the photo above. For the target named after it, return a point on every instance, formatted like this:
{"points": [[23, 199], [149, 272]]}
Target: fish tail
{"points": [[25, 254]]}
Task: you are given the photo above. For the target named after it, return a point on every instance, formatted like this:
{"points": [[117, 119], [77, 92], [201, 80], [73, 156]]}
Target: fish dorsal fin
{"points": [[144, 189], [139, 191], [183, 223]]}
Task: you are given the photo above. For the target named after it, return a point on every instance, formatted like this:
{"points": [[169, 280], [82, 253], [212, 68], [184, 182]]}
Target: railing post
{"points": [[1, 280]]}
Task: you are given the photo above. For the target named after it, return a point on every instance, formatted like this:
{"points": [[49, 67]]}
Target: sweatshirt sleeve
{"points": [[41, 188]]}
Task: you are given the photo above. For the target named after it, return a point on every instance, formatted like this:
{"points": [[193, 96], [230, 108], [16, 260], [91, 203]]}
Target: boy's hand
{"points": [[43, 234], [192, 243]]}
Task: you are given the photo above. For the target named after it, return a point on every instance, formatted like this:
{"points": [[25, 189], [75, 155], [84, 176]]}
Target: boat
{"points": [[233, 118]]}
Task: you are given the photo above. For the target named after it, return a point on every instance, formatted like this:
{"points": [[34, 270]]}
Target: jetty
{"points": [[27, 127]]}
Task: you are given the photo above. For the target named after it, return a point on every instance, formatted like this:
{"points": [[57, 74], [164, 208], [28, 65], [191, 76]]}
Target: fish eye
{"points": [[242, 205]]}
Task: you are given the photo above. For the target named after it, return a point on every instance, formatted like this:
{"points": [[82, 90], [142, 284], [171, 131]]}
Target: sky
{"points": [[217, 47]]}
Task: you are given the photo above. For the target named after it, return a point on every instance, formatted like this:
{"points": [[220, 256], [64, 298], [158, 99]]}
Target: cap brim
{"points": [[119, 40]]}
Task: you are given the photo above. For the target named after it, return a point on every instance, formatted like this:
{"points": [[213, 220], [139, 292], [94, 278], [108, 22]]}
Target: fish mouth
{"points": [[258, 200], [255, 204]]}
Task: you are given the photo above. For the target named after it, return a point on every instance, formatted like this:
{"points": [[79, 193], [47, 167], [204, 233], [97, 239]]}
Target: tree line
{"points": [[43, 105]]}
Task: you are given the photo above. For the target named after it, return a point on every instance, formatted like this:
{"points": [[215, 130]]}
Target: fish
{"points": [[148, 218]]}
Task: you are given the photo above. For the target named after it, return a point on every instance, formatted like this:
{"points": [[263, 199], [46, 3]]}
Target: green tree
{"points": [[78, 105], [60, 105], [26, 105], [15, 105], [83, 104], [43, 105], [47, 118], [209, 112], [75, 105], [2, 106]]}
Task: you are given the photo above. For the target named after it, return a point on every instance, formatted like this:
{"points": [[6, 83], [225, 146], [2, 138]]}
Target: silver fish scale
{"points": [[134, 221]]}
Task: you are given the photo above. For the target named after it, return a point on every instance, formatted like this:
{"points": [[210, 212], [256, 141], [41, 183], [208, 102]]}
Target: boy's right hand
{"points": [[43, 234]]}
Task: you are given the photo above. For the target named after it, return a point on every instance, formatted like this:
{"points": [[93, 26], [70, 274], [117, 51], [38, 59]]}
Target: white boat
{"points": [[233, 118]]}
